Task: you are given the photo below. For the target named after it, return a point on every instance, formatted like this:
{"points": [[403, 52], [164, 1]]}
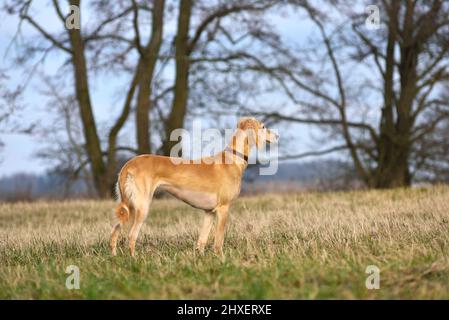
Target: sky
{"points": [[18, 154]]}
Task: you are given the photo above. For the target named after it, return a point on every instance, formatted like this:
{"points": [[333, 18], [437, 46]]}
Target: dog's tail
{"points": [[125, 192], [122, 212]]}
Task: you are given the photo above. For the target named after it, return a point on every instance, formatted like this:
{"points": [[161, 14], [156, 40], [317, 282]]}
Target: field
{"points": [[297, 246]]}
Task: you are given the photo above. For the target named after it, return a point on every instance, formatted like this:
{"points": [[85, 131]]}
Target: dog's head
{"points": [[256, 131]]}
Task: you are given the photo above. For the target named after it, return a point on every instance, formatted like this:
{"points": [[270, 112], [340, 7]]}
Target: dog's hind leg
{"points": [[115, 232], [140, 213], [122, 211], [205, 230], [114, 237], [139, 218]]}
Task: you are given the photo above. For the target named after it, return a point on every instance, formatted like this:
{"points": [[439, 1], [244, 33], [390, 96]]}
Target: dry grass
{"points": [[277, 246]]}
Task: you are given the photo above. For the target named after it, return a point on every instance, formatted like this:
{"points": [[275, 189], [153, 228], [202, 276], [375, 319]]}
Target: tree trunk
{"points": [[394, 173], [395, 145], [143, 114], [93, 147], [387, 129], [179, 106], [149, 59]]}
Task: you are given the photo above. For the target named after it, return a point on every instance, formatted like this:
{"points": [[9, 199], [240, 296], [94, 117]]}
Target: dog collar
{"points": [[238, 154]]}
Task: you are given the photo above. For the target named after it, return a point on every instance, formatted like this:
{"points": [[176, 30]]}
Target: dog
{"points": [[210, 184]]}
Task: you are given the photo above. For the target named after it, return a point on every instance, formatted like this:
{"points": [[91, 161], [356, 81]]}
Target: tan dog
{"points": [[209, 184]]}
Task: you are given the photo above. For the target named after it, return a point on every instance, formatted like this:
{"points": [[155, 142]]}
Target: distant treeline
{"points": [[28, 187], [317, 175]]}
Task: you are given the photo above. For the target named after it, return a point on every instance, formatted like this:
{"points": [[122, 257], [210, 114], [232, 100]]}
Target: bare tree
{"points": [[11, 110], [76, 45], [64, 147], [408, 55]]}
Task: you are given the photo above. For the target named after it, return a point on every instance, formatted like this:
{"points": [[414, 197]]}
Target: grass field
{"points": [[308, 245]]}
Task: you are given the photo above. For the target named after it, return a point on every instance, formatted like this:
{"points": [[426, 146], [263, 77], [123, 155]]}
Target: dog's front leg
{"points": [[222, 216], [205, 230]]}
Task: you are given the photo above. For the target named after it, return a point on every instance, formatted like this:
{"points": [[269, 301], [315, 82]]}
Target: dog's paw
{"points": [[200, 248]]}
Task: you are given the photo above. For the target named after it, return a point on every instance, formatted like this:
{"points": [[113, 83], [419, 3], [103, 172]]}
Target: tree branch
{"points": [[136, 27], [222, 12], [359, 125], [45, 33]]}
